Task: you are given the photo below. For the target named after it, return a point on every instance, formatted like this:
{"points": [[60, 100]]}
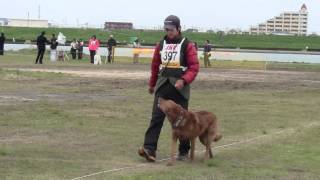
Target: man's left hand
{"points": [[180, 84]]}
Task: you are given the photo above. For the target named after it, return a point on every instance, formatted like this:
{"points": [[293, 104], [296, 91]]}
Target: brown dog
{"points": [[190, 125]]}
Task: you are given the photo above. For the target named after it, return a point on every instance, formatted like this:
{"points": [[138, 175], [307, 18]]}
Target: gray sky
{"points": [[216, 14]]}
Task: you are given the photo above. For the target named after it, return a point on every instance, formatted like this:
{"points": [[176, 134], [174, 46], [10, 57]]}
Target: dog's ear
{"points": [[197, 119], [160, 100]]}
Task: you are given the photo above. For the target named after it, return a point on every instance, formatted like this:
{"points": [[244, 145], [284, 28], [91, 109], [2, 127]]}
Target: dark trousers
{"points": [[40, 55], [110, 54], [167, 91], [74, 53], [1, 50], [92, 54], [80, 54]]}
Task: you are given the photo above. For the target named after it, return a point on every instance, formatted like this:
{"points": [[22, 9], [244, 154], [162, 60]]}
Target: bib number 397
{"points": [[169, 55]]}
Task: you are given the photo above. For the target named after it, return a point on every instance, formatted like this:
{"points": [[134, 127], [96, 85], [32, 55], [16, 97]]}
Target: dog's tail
{"points": [[217, 138]]}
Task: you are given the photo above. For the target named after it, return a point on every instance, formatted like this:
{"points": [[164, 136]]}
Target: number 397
{"points": [[169, 56]]}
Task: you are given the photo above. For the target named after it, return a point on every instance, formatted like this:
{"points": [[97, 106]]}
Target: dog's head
{"points": [[173, 110]]}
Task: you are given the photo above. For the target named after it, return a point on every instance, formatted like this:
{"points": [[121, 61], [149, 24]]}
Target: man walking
{"points": [[174, 67], [41, 43], [112, 43]]}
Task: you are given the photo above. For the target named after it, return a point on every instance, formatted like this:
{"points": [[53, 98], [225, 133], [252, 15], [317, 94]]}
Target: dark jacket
{"points": [[41, 42], [2, 40], [111, 43], [191, 60], [207, 48], [53, 43]]}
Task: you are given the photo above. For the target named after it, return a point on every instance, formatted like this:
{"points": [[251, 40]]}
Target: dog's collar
{"points": [[180, 120]]}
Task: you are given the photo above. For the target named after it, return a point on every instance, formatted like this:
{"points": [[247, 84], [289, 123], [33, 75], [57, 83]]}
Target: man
{"points": [[53, 47], [207, 54], [41, 43], [80, 49], [74, 47], [174, 67], [111, 44], [2, 40]]}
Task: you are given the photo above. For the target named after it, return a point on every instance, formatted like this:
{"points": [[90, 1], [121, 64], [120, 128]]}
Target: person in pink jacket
{"points": [[94, 45]]}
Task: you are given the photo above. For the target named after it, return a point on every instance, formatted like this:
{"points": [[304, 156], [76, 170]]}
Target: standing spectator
{"points": [[112, 43], [136, 44], [80, 49], [2, 40], [207, 53], [94, 45], [41, 43], [196, 45], [61, 52], [53, 47], [74, 47]]}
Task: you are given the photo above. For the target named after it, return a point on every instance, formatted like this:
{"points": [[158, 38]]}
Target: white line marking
{"points": [[218, 147]]}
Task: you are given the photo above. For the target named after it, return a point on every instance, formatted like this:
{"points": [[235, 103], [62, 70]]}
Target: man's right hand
{"points": [[151, 90]]}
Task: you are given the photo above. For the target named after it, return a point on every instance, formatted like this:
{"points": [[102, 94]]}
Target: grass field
{"points": [[59, 126], [152, 37]]}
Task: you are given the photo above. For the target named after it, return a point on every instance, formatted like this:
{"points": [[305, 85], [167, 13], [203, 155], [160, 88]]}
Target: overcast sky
{"points": [[216, 14]]}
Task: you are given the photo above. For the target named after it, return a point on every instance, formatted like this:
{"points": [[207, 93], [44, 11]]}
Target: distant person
{"points": [[61, 52], [207, 53], [195, 44], [53, 47], [94, 45], [74, 47], [136, 44], [41, 44], [2, 40], [112, 43], [80, 49]]}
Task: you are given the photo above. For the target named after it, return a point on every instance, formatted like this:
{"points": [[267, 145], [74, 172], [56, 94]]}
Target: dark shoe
{"points": [[182, 157], [149, 155]]}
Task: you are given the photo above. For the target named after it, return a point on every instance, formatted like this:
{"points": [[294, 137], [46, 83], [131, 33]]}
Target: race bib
{"points": [[170, 55]]}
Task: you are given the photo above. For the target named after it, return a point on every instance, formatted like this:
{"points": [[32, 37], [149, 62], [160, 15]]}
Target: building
{"points": [[118, 25], [192, 30], [4, 21], [290, 23], [24, 23]]}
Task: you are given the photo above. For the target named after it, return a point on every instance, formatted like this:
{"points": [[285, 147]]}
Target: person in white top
{"points": [[74, 47]]}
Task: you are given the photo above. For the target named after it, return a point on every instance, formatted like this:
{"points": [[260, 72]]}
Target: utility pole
{"points": [[39, 12], [28, 19]]}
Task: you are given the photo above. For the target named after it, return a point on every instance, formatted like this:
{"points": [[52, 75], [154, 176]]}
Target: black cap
{"points": [[171, 22]]}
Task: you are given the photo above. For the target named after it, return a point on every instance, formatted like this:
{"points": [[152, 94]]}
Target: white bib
{"points": [[170, 55]]}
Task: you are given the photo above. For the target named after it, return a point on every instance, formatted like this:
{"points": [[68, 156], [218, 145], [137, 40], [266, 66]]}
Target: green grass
{"points": [[152, 37], [77, 125]]}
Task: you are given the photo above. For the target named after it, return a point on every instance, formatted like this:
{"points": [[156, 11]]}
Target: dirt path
{"points": [[206, 75]]}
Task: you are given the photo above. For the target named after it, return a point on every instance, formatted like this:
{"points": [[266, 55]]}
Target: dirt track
{"points": [[207, 78], [205, 74]]}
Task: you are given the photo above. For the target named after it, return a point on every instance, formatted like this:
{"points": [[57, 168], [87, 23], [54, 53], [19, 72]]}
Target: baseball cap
{"points": [[172, 22]]}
